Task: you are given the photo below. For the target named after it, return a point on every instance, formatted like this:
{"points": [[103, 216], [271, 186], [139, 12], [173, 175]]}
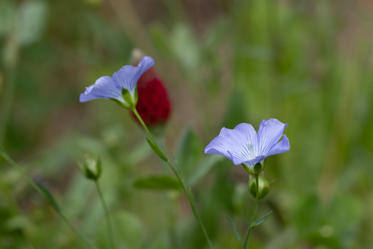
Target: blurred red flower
{"points": [[153, 103]]}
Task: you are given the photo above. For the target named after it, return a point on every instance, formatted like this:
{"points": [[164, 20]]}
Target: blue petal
{"points": [[270, 131], [280, 147], [128, 76], [104, 87], [254, 161], [238, 145]]}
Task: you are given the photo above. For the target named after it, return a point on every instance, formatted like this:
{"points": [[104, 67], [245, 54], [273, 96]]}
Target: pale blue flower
{"points": [[121, 82], [243, 145]]}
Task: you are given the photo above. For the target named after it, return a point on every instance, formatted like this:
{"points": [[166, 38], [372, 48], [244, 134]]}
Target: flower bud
{"points": [[263, 187], [91, 168]]}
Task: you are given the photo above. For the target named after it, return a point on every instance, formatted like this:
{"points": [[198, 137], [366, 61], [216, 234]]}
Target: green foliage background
{"points": [[307, 63]]}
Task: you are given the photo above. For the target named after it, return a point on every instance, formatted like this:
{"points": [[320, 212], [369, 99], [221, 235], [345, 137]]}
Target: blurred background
{"points": [[307, 63]]}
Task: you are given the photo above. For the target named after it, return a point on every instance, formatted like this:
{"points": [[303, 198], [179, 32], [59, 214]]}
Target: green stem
{"points": [[246, 244], [33, 184], [107, 215], [174, 199], [179, 176], [10, 62]]}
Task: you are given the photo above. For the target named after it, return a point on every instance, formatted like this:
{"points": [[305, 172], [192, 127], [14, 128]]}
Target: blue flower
{"points": [[243, 145], [121, 86]]}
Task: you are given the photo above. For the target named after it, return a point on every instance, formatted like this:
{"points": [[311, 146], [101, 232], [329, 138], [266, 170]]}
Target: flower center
{"points": [[250, 150]]}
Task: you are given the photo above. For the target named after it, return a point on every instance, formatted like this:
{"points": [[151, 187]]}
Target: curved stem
{"points": [[107, 215], [246, 244], [179, 176], [47, 195]]}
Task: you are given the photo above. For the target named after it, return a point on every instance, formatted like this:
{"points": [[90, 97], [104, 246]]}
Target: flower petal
{"points": [[218, 146], [104, 87], [128, 75], [280, 147], [254, 161], [250, 138], [238, 145], [270, 131]]}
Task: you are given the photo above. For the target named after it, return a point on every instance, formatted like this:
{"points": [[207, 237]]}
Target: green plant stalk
{"points": [[174, 198], [107, 215], [252, 219], [11, 51], [33, 184], [178, 175]]}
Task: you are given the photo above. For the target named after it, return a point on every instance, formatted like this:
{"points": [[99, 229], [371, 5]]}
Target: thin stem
{"points": [[53, 202], [144, 125], [179, 176], [174, 198], [107, 215], [246, 244], [11, 52]]}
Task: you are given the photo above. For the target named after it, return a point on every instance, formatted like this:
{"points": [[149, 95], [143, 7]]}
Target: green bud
{"points": [[257, 168], [91, 168], [263, 187]]}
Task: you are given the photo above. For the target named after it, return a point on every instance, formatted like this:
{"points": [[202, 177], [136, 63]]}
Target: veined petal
{"points": [[238, 159], [128, 75], [280, 147], [248, 132], [254, 161], [104, 87], [219, 147], [239, 144], [270, 131], [243, 145]]}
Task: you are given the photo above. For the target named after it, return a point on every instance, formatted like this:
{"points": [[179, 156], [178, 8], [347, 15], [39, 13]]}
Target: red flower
{"points": [[153, 102]]}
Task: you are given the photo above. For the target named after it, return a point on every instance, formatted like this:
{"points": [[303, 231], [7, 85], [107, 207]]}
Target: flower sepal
{"points": [[263, 187], [130, 98], [253, 170]]}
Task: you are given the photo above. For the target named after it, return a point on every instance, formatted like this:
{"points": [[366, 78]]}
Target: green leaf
{"points": [[128, 227], [260, 220], [157, 182], [2, 151], [159, 36], [190, 160], [189, 152], [185, 47], [235, 230], [236, 111], [31, 21], [7, 17], [157, 150], [203, 168], [48, 196]]}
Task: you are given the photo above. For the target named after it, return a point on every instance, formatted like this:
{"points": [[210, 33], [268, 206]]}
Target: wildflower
{"points": [[153, 103], [244, 146], [121, 87]]}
